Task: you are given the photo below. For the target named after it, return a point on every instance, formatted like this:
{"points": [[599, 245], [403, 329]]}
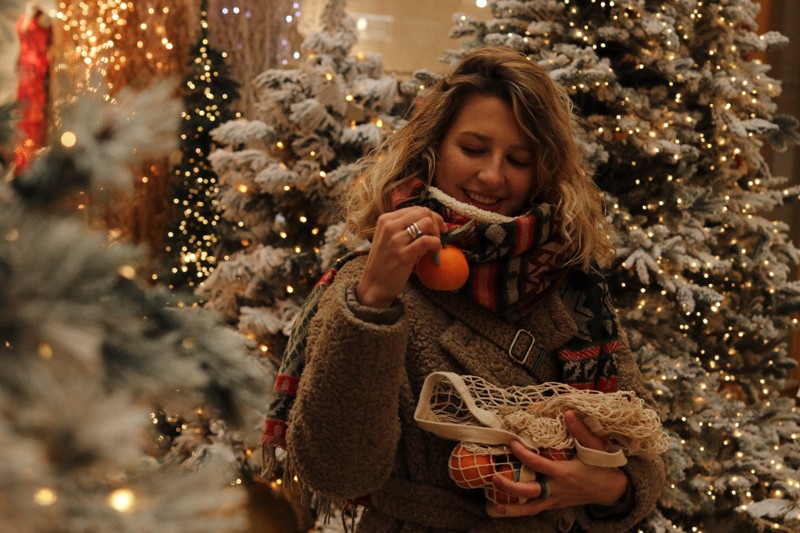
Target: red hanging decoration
{"points": [[35, 37]]}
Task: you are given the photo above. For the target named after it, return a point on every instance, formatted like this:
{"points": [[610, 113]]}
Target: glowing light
{"points": [[127, 272], [45, 497], [122, 500], [68, 139], [45, 351]]}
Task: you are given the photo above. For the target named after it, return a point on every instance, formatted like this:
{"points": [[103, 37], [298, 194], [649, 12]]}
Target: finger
{"points": [[401, 226], [408, 215], [528, 490], [430, 225], [532, 460], [535, 494], [581, 433], [530, 508], [414, 231], [421, 230], [395, 231], [439, 222]]}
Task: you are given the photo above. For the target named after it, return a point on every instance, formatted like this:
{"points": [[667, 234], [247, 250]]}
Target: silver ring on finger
{"points": [[545, 488], [414, 231]]}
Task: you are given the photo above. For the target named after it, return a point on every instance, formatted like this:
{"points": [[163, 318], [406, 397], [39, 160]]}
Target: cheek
{"points": [[522, 188], [526, 186], [449, 170]]}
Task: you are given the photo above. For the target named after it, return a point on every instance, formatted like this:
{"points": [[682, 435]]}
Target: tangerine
{"points": [[469, 469], [444, 269], [555, 454]]}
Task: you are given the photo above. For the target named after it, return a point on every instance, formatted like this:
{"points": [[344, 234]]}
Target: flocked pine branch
{"points": [[89, 354], [283, 171]]}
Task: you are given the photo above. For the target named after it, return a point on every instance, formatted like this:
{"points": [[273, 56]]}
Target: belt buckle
{"points": [[524, 358]]}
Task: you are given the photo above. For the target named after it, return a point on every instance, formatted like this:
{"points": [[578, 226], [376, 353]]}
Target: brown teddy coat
{"points": [[352, 431]]}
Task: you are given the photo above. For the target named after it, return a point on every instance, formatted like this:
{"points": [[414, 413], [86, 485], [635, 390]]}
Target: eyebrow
{"points": [[486, 138]]}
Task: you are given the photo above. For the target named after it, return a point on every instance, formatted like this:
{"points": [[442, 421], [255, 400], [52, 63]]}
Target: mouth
{"points": [[481, 200]]}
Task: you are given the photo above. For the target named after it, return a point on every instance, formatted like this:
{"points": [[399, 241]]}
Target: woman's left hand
{"points": [[570, 483]]}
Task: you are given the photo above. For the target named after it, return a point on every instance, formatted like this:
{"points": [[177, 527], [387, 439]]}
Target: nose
{"points": [[491, 172]]}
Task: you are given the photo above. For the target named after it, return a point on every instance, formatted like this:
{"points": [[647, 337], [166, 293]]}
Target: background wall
{"points": [[409, 35], [784, 16], [9, 50]]}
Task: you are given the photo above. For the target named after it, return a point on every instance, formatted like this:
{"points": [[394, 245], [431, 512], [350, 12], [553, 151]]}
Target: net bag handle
{"points": [[492, 433]]}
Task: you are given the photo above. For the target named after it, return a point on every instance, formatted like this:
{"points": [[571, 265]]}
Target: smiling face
{"points": [[484, 159]]}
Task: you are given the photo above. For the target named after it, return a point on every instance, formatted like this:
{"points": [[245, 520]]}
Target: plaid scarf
{"points": [[512, 262]]}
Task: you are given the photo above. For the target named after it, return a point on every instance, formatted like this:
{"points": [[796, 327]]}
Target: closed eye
{"points": [[472, 150], [521, 163]]}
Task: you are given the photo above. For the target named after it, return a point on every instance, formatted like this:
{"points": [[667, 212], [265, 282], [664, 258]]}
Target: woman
{"points": [[492, 142]]}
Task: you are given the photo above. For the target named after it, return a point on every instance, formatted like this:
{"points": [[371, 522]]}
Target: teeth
{"points": [[486, 200]]}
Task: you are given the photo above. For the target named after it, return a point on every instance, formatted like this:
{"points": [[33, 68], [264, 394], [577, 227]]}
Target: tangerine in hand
{"points": [[444, 269]]}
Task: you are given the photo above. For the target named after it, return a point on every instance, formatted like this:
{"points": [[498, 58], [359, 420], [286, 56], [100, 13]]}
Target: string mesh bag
{"points": [[484, 418]]}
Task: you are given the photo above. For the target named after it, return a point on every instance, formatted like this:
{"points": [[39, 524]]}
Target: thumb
{"points": [[581, 433]]}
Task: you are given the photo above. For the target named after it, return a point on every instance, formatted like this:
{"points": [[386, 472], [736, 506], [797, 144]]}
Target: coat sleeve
{"points": [[344, 427], [647, 474]]}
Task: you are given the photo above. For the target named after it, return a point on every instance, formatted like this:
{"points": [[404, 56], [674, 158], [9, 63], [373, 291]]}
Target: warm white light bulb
{"points": [[121, 500], [68, 139], [45, 496]]}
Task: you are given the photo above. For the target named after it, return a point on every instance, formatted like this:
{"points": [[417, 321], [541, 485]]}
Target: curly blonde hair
{"points": [[543, 112]]}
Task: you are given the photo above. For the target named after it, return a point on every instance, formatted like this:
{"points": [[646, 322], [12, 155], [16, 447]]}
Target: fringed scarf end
{"points": [[268, 461]]}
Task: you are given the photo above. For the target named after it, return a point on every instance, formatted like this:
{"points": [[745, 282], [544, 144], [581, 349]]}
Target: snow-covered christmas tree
{"points": [[89, 354], [675, 111], [283, 171]]}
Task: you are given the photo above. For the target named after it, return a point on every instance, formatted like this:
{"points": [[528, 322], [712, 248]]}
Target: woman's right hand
{"points": [[569, 483], [394, 253]]}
